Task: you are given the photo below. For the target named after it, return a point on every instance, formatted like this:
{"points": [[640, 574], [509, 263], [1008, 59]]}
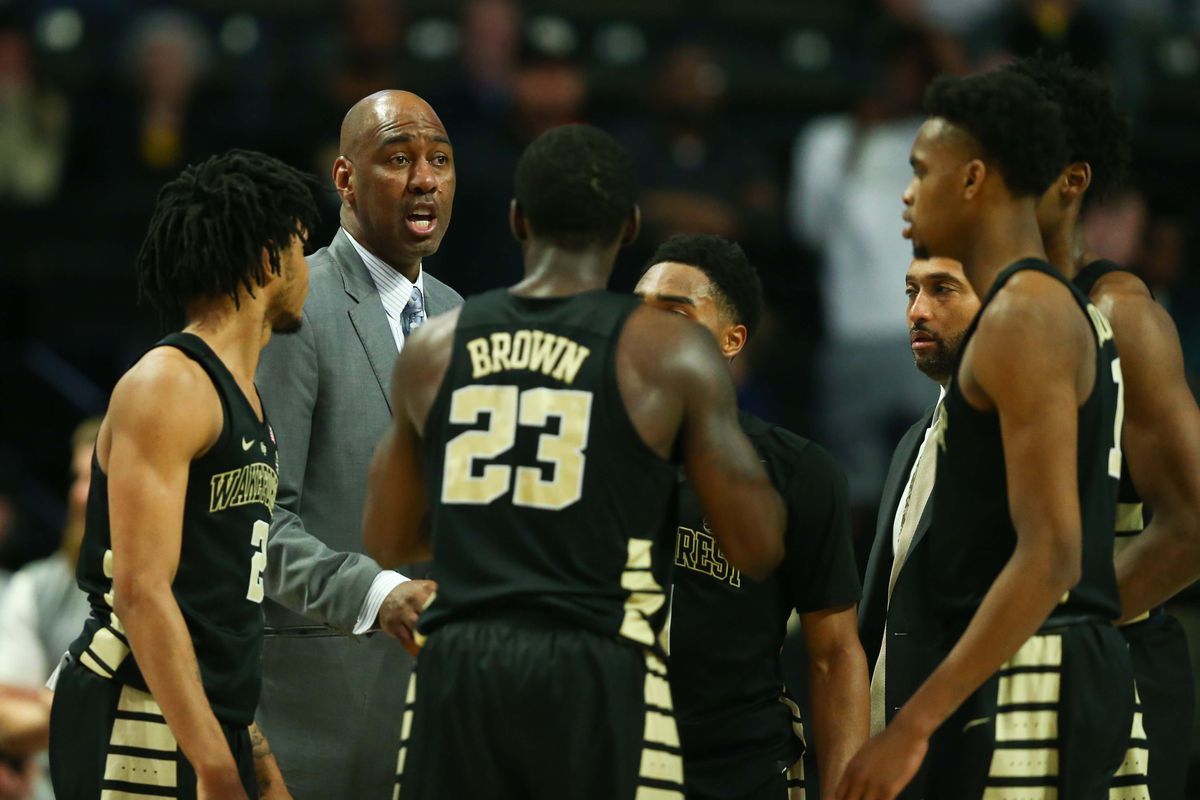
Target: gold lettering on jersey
{"points": [[533, 350], [253, 483], [699, 552], [1104, 331]]}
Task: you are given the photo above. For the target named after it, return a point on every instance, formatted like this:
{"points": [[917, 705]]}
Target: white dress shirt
{"points": [[908, 486], [394, 288], [394, 291]]}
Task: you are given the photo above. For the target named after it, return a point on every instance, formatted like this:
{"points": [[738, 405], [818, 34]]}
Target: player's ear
{"points": [[343, 178], [633, 226], [733, 341], [517, 222], [1075, 180], [973, 176]]}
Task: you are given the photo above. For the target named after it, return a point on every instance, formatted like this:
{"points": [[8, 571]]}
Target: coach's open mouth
{"points": [[421, 221]]}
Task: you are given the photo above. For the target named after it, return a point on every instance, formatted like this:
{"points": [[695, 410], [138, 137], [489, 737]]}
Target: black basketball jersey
{"points": [[1132, 514], [971, 535], [219, 581], [544, 498], [736, 722]]}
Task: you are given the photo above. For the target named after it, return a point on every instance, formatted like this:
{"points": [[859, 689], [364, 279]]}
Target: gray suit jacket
{"points": [[331, 703]]}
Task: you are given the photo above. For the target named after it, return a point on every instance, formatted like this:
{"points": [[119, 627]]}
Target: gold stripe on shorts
{"points": [[1139, 792], [1020, 793], [1038, 762], [158, 772]]}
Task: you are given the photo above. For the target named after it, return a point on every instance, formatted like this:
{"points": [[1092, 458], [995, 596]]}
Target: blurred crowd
{"points": [[784, 124]]}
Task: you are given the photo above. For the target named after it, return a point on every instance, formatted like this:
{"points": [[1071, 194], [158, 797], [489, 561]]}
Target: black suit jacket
{"points": [[915, 637]]}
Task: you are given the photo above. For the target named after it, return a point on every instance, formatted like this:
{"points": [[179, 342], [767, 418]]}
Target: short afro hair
{"points": [[211, 224], [1097, 132], [1019, 129], [724, 262], [576, 186]]}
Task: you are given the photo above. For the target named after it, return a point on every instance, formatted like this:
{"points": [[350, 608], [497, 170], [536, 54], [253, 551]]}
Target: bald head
{"points": [[395, 175], [382, 111]]}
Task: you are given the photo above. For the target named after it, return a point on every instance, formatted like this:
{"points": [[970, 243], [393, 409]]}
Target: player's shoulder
{"points": [[1033, 303], [1119, 289], [165, 387], [163, 370], [668, 340]]}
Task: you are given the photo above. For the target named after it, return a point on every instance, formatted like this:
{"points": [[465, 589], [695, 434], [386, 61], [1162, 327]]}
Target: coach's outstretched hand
{"points": [[883, 766], [398, 614]]}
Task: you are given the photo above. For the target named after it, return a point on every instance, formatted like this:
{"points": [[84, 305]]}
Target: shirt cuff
{"points": [[381, 587]]}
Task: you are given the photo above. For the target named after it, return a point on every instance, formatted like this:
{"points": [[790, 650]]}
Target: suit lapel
{"points": [[368, 317], [439, 298], [873, 611]]}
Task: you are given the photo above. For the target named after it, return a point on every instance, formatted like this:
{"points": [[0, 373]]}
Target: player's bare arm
{"points": [[684, 375], [1036, 391], [1161, 439], [164, 414], [266, 769], [395, 519], [837, 686]]}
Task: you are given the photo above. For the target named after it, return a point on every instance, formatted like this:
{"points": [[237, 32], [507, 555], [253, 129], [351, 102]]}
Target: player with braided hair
{"points": [[157, 695]]}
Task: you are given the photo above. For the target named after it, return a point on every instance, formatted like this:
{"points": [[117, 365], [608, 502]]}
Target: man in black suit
{"points": [[941, 304]]}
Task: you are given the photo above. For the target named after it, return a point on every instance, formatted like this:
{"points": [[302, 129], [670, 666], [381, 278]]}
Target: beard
{"points": [[920, 251], [939, 365]]}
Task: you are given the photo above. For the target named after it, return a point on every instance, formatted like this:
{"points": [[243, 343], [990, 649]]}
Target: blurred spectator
{"points": [[24, 730], [954, 16], [1114, 227], [41, 613], [702, 171], [34, 124], [1026, 27], [43, 610], [481, 93], [168, 56], [372, 31], [160, 117], [548, 89], [849, 171]]}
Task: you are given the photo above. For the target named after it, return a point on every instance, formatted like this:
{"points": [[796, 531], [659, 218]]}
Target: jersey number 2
{"points": [[1114, 454], [258, 562], [506, 410]]}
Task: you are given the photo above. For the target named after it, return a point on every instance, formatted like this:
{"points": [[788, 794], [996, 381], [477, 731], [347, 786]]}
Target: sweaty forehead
{"points": [[676, 280], [387, 115]]}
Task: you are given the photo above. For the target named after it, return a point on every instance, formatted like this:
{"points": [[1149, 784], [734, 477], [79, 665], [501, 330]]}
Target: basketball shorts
{"points": [[1162, 731], [532, 709], [109, 741], [1052, 724]]}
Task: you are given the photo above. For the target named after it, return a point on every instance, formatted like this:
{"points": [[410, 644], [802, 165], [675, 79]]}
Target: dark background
{"points": [[103, 100]]}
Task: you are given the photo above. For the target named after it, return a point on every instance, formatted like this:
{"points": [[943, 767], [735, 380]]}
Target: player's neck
{"points": [[1006, 235], [1067, 249], [553, 271], [236, 334]]}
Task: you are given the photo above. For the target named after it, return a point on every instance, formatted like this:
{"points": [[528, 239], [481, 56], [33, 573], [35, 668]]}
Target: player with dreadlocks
{"points": [[157, 695], [1155, 557]]}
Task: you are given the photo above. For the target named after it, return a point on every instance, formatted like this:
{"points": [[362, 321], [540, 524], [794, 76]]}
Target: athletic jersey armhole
{"points": [[186, 344]]}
